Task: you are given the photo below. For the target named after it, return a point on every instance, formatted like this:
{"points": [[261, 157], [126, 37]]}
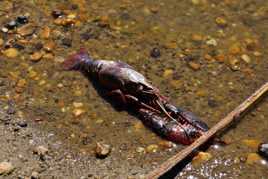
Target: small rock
{"points": [[253, 143], [11, 25], [22, 124], [26, 30], [235, 49], [195, 2], [257, 54], [45, 33], [103, 21], [220, 21], [140, 150], [102, 150], [220, 58], [18, 46], [40, 150], [4, 29], [11, 53], [155, 53], [66, 42], [194, 65], [251, 44], [21, 83], [201, 93], [165, 144], [175, 83], [152, 148], [57, 13], [246, 58], [32, 74], [36, 56], [6, 168], [34, 175], [201, 157], [77, 104], [197, 37], [212, 42], [263, 150], [22, 19], [49, 46], [168, 73], [78, 112], [212, 103], [253, 158], [234, 64], [11, 110], [38, 46]]}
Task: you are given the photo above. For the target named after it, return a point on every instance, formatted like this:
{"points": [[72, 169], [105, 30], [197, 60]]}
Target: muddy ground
{"points": [[206, 56]]}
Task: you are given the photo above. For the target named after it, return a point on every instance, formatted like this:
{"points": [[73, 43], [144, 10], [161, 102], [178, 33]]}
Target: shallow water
{"points": [[213, 55]]}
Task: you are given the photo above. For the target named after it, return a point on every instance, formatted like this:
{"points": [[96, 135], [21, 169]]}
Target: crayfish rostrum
{"points": [[131, 87]]}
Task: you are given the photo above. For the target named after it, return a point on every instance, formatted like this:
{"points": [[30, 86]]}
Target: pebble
{"points": [[245, 58], [22, 19], [45, 33], [195, 66], [66, 42], [32, 74], [18, 46], [212, 103], [197, 37], [195, 2], [165, 144], [40, 150], [26, 30], [220, 58], [251, 44], [201, 157], [78, 112], [36, 56], [175, 83], [103, 21], [11, 53], [263, 150], [49, 46], [22, 124], [212, 42], [168, 73], [102, 150], [253, 158], [257, 54], [235, 49], [140, 150], [220, 21], [201, 93], [57, 13], [4, 29], [234, 64], [152, 148], [21, 83], [155, 53], [11, 25], [77, 104], [34, 175], [6, 168], [253, 143]]}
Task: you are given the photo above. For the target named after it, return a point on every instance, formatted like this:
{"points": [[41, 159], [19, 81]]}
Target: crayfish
{"points": [[131, 88]]}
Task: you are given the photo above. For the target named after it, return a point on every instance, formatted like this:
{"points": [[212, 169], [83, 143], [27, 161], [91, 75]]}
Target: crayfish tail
{"points": [[77, 61]]}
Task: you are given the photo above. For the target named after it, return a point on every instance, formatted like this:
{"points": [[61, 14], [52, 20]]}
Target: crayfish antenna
{"points": [[77, 61]]}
